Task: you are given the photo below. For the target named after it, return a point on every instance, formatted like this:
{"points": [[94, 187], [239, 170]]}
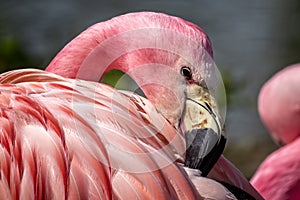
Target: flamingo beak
{"points": [[202, 126]]}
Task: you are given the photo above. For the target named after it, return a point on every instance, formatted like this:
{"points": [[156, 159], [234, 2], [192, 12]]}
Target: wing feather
{"points": [[73, 139]]}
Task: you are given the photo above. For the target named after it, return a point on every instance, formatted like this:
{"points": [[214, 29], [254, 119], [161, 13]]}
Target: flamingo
{"points": [[64, 135], [278, 176]]}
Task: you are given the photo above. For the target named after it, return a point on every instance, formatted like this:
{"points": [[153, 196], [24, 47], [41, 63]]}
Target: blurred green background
{"points": [[251, 40]]}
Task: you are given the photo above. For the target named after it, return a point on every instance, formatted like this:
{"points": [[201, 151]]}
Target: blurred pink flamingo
{"points": [[278, 177], [74, 139]]}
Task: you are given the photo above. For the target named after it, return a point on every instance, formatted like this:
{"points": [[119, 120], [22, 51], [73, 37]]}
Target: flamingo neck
{"points": [[147, 46], [279, 105]]}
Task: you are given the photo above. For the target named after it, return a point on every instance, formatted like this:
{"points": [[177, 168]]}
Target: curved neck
{"points": [[89, 54], [149, 47]]}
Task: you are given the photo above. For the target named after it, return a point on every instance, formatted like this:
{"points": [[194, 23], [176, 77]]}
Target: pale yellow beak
{"points": [[202, 125]]}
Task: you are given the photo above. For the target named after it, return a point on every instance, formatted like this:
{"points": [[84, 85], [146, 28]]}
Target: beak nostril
{"points": [[209, 108]]}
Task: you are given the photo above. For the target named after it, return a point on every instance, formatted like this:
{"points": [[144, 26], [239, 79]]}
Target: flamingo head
{"points": [[279, 105], [169, 58]]}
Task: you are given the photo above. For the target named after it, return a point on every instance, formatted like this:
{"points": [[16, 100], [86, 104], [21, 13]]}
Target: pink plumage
{"points": [[278, 177], [74, 54], [59, 137], [70, 138]]}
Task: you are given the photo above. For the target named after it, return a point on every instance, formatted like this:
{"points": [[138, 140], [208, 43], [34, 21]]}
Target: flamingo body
{"points": [[76, 139], [67, 138], [279, 108], [278, 175]]}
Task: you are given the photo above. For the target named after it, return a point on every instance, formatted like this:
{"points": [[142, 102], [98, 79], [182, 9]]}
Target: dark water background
{"points": [[251, 40]]}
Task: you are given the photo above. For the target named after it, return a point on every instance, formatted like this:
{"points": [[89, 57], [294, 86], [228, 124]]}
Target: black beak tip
{"points": [[203, 149]]}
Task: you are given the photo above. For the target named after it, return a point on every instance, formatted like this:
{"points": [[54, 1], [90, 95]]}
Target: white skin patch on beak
{"points": [[200, 110]]}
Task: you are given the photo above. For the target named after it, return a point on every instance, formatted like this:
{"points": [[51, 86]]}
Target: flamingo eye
{"points": [[186, 72]]}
